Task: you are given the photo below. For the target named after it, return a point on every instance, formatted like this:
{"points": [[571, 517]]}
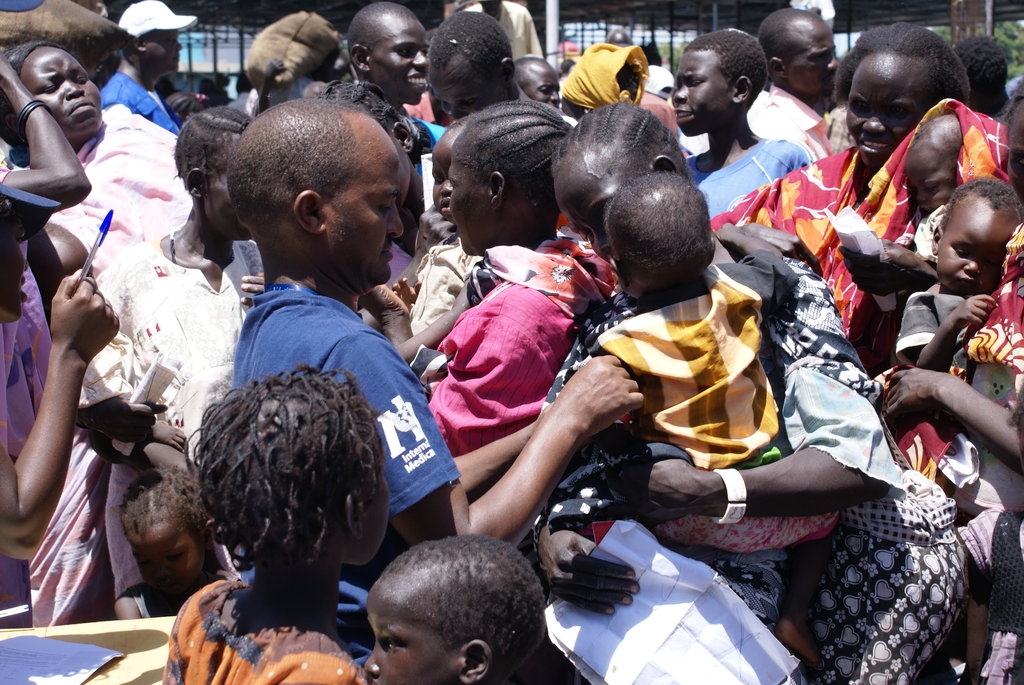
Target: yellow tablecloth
{"points": [[143, 643]]}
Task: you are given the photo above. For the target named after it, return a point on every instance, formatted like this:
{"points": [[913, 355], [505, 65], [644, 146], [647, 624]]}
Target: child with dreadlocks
{"points": [[290, 469], [178, 298], [470, 606], [169, 532]]}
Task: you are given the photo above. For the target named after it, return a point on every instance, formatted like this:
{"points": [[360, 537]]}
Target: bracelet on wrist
{"points": [[23, 115]]}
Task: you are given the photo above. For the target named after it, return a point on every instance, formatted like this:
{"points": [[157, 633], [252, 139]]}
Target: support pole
{"points": [[551, 29], [672, 34]]}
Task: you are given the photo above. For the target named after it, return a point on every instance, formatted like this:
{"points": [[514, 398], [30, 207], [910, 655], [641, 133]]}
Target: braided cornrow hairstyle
{"points": [[163, 495], [518, 139], [203, 137], [623, 130], [277, 458]]}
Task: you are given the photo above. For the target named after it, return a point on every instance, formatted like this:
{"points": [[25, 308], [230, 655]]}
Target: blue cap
{"points": [[33, 210], [19, 5]]}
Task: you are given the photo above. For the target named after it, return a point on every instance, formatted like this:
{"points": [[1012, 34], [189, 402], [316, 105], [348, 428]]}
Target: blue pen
{"points": [[87, 267]]}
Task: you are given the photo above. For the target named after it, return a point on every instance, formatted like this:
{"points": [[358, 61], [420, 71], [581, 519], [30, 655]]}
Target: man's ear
{"points": [[308, 211], [664, 163], [777, 68], [497, 186], [360, 56], [476, 662], [195, 182], [403, 135], [508, 69], [743, 90], [139, 43]]}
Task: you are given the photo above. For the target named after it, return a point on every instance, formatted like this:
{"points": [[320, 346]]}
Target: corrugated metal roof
{"points": [[851, 15]]}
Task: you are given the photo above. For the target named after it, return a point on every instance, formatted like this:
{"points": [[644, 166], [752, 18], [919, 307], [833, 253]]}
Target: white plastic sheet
{"points": [[683, 626]]}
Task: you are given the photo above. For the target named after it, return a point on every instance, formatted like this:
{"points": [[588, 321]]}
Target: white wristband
{"points": [[736, 491]]}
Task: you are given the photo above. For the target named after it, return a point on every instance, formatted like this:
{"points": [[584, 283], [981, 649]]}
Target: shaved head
{"points": [[374, 20], [298, 145]]}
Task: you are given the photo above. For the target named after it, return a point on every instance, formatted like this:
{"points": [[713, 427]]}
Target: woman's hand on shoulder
{"points": [[598, 394], [579, 578]]}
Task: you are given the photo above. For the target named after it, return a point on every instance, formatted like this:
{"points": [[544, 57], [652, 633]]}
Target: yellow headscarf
{"points": [[592, 83]]}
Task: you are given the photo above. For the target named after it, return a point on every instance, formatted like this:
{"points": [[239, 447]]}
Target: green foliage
{"points": [[1010, 37]]}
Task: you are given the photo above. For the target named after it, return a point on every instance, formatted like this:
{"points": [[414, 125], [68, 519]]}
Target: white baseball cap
{"points": [[660, 82], [153, 15]]}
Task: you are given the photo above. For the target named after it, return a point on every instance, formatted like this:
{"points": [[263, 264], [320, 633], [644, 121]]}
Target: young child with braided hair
{"points": [[290, 469], [169, 533]]}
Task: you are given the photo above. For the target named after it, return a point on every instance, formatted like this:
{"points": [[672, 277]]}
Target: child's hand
{"points": [[166, 434], [973, 311], [406, 293], [434, 230], [81, 320], [383, 301], [252, 286]]}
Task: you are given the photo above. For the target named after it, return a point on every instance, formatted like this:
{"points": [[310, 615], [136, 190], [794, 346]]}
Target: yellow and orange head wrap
{"points": [[593, 82]]}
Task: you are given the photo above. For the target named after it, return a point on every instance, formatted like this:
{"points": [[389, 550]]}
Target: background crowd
{"points": [[367, 358]]}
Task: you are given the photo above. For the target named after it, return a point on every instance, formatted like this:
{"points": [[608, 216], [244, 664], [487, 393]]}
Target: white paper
{"points": [[32, 660], [683, 626], [158, 377], [855, 234]]}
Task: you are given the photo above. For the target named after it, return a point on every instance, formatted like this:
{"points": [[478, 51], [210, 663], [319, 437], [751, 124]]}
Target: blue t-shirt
{"points": [[122, 90], [290, 327], [763, 163]]}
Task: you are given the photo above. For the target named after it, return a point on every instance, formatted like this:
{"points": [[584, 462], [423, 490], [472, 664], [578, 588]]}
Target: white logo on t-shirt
{"points": [[401, 420]]}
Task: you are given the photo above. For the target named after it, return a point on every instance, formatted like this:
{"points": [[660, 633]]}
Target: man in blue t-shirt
{"points": [[152, 53], [318, 185]]}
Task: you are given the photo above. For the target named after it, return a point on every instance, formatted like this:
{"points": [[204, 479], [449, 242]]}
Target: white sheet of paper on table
{"points": [[855, 234], [683, 624], [41, 661]]}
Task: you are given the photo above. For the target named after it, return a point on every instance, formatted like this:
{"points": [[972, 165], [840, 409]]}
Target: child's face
{"points": [[703, 97], [169, 559], [406, 651], [972, 247], [931, 173], [442, 160]]}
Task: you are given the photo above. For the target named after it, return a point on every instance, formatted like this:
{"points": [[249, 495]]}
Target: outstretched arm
{"points": [[597, 395]]}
